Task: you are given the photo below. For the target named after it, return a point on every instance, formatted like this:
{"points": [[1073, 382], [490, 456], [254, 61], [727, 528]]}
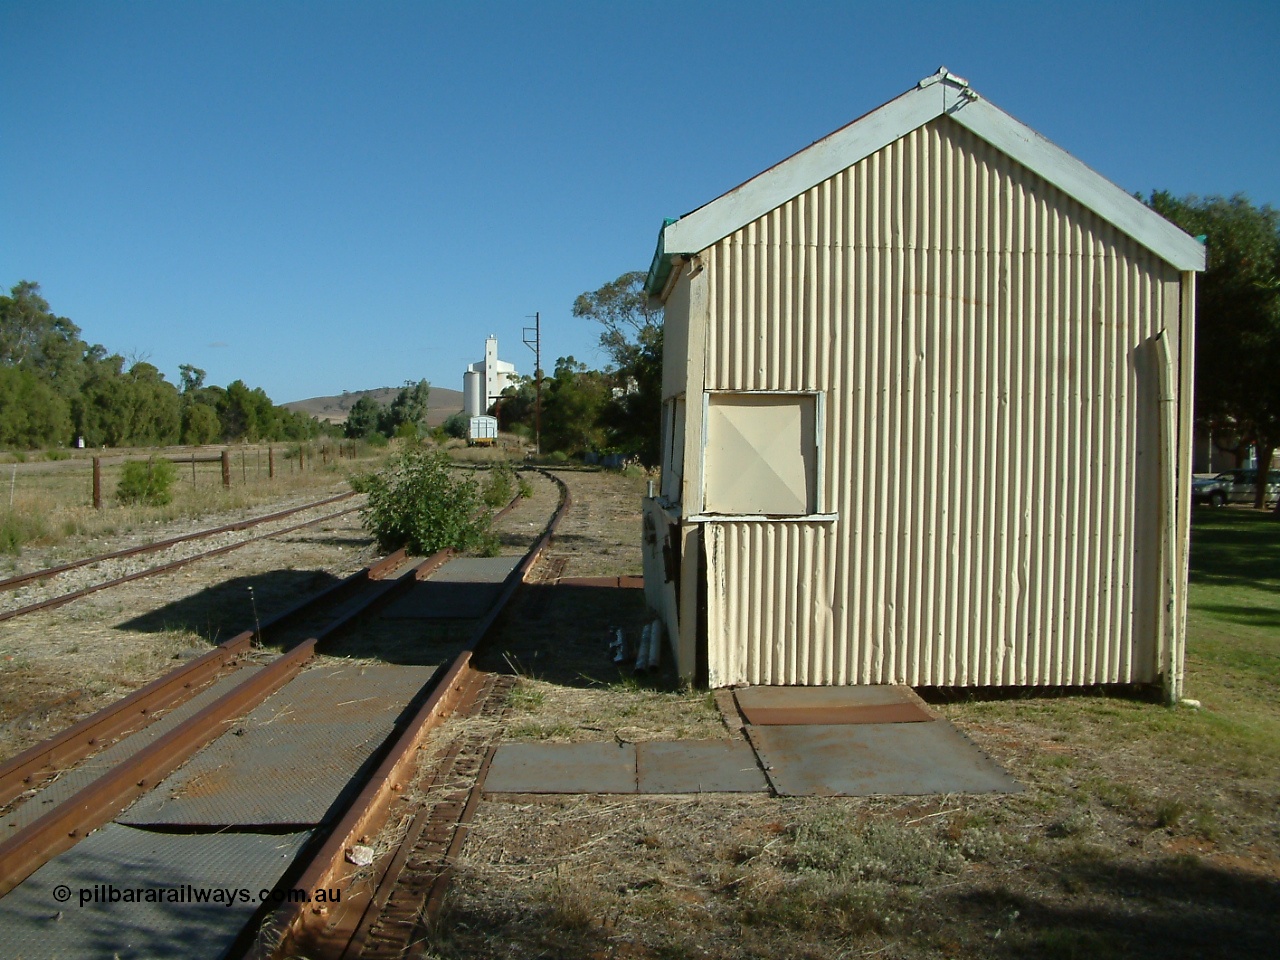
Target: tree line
{"points": [[614, 410], [55, 388], [1237, 361]]}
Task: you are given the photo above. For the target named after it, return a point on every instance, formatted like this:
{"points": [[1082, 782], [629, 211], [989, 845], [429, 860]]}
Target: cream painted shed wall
{"points": [[993, 464]]}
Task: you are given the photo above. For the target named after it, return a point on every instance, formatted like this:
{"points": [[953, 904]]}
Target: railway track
{"points": [[49, 573], [224, 694]]}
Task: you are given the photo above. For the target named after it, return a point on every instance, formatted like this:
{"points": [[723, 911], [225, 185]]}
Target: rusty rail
{"points": [[295, 926], [61, 828], [49, 572], [23, 771], [63, 599]]}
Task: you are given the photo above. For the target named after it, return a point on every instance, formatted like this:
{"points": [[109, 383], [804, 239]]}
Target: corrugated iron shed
{"points": [[928, 407]]}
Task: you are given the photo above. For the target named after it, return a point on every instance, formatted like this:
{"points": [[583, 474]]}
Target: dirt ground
{"points": [[1142, 832]]}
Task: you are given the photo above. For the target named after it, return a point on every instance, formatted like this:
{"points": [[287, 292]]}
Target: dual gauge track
{"points": [[315, 751]]}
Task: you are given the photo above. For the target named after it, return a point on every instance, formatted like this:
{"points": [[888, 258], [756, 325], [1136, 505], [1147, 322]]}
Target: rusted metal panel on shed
{"points": [[37, 925], [991, 430], [290, 759], [864, 760]]}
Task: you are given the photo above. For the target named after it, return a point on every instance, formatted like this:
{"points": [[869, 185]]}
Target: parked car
{"points": [[1233, 486]]}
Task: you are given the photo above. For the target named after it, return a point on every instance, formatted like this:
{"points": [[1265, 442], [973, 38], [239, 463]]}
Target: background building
{"points": [[484, 381]]}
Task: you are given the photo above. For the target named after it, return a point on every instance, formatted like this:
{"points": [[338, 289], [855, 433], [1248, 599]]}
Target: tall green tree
{"points": [[1237, 384], [408, 407], [573, 404], [364, 418], [31, 413], [632, 337]]}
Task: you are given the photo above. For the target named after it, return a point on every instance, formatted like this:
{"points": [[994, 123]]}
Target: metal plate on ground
{"points": [[71, 782], [598, 767], [175, 869], [463, 589], [698, 766], [777, 706], [862, 760], [289, 760]]}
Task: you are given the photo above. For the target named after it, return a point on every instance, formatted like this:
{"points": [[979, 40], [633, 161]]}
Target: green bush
{"points": [[419, 504], [457, 425], [500, 487], [17, 529], [147, 482], [407, 431], [376, 440], [524, 488]]}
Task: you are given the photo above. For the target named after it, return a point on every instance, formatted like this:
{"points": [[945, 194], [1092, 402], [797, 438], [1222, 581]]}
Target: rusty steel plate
{"points": [[889, 759], [598, 767], [71, 782], [462, 589], [698, 766], [172, 870], [778, 706], [288, 761]]}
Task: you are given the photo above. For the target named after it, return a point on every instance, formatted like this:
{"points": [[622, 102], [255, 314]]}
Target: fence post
{"points": [[271, 463], [244, 471], [97, 483], [301, 461], [226, 469], [193, 469]]}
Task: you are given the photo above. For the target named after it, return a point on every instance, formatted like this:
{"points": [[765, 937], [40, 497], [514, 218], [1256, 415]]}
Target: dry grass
{"points": [[51, 505], [1143, 831]]}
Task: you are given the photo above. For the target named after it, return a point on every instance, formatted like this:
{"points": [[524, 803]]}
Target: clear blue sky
{"points": [[323, 196]]}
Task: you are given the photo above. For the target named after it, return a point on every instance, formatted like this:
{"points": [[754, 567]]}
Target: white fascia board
{"points": [[730, 212], [1074, 178], [823, 159]]}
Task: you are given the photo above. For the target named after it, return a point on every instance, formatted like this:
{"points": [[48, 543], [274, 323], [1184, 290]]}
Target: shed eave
{"points": [[935, 96]]}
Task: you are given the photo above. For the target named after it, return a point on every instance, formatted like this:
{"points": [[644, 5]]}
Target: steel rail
{"points": [[65, 598], [49, 572], [295, 926], [61, 828], [24, 770]]}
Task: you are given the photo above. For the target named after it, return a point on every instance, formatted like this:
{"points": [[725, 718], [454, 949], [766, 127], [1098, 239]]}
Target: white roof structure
{"points": [[940, 94]]}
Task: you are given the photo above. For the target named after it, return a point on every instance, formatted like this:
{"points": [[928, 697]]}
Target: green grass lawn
{"points": [[1233, 630]]}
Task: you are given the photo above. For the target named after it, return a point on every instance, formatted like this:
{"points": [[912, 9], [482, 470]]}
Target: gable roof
{"points": [[941, 94]]}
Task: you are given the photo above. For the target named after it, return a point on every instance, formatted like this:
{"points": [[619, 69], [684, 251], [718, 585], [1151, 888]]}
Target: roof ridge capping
{"points": [[939, 94], [942, 74]]}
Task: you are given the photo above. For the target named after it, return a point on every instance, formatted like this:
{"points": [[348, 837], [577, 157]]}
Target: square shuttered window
{"points": [[761, 454]]}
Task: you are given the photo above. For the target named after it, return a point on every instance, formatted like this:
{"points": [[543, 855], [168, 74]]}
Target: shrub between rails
{"points": [[418, 503]]}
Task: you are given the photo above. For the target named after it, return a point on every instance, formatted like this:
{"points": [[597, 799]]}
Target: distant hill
{"points": [[440, 404]]}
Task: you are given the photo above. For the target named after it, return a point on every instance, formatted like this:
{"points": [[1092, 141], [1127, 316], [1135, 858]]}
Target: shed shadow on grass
{"points": [[1178, 906], [1234, 547], [223, 610]]}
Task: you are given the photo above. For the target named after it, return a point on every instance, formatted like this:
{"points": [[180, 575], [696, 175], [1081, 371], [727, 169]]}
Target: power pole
{"points": [[533, 340]]}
